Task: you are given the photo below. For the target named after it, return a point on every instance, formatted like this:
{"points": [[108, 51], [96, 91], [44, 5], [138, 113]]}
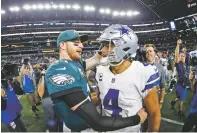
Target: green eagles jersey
{"points": [[61, 77]]}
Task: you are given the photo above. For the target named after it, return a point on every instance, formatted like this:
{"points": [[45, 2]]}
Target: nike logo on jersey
{"points": [[64, 68]]}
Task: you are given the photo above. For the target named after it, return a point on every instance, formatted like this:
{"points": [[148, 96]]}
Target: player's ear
{"points": [[62, 45]]}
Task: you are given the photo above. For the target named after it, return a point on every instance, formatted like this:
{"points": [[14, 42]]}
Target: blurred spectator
{"points": [[192, 117], [37, 74], [183, 79], [28, 85]]}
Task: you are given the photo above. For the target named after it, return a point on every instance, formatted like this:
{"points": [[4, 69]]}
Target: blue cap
{"points": [[69, 35]]}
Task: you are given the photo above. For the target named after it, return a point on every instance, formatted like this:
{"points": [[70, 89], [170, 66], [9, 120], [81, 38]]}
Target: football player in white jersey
{"points": [[193, 57], [125, 85], [193, 53]]}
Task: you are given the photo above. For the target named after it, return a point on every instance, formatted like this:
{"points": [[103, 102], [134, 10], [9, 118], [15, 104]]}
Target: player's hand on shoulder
{"points": [[143, 115]]}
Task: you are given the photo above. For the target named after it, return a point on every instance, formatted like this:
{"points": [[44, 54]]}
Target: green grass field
{"points": [[38, 125], [172, 114]]}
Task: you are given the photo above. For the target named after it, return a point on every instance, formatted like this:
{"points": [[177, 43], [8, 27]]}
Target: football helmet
{"points": [[125, 41]]}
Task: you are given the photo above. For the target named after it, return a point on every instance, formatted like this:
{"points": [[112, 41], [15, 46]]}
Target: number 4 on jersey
{"points": [[110, 102]]}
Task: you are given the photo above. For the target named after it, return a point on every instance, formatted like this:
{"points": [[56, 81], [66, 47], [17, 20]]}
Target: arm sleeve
{"points": [[150, 78], [87, 111]]}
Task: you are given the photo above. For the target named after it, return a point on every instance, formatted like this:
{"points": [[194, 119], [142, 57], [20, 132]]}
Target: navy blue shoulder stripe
{"points": [[153, 77], [150, 86]]}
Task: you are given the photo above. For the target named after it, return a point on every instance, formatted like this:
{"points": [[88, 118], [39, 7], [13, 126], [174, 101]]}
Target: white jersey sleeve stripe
{"points": [[153, 81], [153, 77], [150, 86]]}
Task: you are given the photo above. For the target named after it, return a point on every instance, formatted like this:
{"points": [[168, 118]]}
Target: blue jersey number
{"points": [[112, 95]]}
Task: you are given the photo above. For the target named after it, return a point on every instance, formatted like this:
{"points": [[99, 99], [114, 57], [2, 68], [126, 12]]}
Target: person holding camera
{"points": [[182, 81], [37, 74], [26, 72], [191, 120]]}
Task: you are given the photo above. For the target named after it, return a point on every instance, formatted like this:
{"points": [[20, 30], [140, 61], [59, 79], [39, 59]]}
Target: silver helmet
{"points": [[125, 41]]}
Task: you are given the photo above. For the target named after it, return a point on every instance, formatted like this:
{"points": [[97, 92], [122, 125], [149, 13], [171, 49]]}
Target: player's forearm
{"points": [[22, 70], [87, 111], [177, 50], [93, 61], [172, 64], [162, 94], [154, 122], [176, 53], [31, 68], [152, 105], [100, 123]]}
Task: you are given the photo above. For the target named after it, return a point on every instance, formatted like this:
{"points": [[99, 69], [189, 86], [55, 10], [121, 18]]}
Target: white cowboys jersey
{"points": [[164, 62], [193, 53], [122, 94]]}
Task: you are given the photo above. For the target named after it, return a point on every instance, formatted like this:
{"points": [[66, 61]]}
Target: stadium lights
{"points": [[26, 7], [115, 13], [61, 6], [86, 8], [40, 6], [2, 11], [14, 9], [68, 6], [107, 11], [122, 13], [47, 6], [76, 7], [136, 13], [129, 13], [11, 9], [101, 10], [92, 8], [89, 8], [34, 7], [54, 6]]}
